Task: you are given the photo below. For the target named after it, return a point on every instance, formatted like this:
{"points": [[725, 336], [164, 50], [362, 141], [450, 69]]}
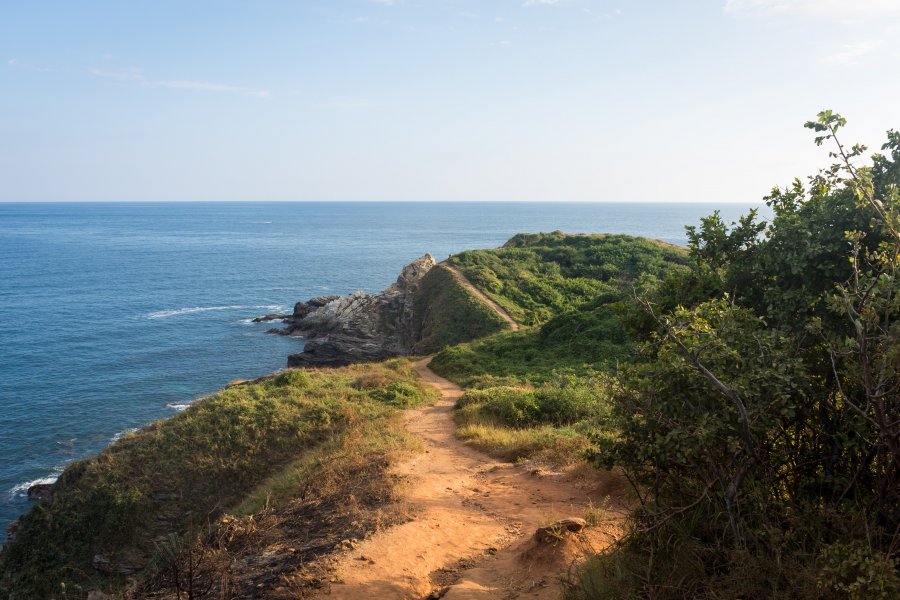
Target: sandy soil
{"points": [[472, 535]]}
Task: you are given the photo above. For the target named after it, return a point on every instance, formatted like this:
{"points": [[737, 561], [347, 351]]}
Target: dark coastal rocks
{"points": [[360, 327], [39, 491], [301, 309], [271, 317], [340, 351], [11, 530]]}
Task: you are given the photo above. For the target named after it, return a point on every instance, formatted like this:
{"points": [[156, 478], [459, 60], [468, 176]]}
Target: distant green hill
{"points": [[572, 289]]}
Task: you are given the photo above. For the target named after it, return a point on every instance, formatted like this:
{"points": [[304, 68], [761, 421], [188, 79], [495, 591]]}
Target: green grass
{"points": [[552, 423], [239, 450], [573, 293], [546, 444], [582, 342], [536, 277], [573, 290], [448, 314]]}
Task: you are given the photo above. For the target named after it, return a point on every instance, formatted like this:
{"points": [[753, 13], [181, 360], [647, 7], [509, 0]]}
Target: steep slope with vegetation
{"points": [[447, 314], [536, 277], [571, 289], [302, 453]]}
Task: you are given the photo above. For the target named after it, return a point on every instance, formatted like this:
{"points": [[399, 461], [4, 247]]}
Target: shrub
{"points": [[399, 394], [292, 378], [510, 405]]}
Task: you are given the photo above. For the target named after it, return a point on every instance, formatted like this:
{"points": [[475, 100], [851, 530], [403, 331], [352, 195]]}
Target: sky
{"points": [[570, 100]]}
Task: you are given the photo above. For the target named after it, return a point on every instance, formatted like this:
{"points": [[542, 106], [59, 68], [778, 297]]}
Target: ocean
{"points": [[113, 315]]}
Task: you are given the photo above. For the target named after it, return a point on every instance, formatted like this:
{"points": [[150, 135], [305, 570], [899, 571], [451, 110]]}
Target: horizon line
{"points": [[401, 201]]}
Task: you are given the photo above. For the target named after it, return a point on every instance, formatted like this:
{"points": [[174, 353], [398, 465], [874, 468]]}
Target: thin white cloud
{"points": [[851, 53], [843, 9], [136, 76], [17, 64]]}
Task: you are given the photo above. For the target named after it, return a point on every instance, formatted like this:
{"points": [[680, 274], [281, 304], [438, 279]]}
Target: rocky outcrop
{"points": [[361, 327], [39, 491], [271, 317]]}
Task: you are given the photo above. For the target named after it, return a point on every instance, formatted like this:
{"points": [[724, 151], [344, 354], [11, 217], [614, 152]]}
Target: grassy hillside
{"points": [[573, 289], [243, 451], [577, 293], [446, 313], [536, 277]]}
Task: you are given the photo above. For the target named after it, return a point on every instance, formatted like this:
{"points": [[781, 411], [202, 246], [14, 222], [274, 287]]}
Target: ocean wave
{"points": [[177, 407], [20, 490], [175, 312], [122, 434]]}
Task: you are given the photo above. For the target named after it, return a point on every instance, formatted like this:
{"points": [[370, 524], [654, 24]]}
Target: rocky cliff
{"points": [[361, 327]]}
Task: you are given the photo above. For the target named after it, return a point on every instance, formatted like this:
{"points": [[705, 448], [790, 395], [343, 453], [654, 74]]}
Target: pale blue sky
{"points": [[607, 100]]}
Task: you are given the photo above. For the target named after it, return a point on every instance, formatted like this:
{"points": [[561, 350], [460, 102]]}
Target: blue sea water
{"points": [[113, 315]]}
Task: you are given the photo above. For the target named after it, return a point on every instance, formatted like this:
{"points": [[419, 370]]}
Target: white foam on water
{"points": [[20, 490], [122, 434], [272, 307], [175, 312], [163, 314], [176, 406]]}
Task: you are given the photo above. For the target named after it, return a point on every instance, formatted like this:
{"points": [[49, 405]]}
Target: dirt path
{"points": [[471, 536], [481, 295]]}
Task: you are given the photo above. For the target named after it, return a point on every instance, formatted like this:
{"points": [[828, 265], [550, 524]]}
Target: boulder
{"points": [[39, 491], [270, 317], [556, 531], [301, 309]]}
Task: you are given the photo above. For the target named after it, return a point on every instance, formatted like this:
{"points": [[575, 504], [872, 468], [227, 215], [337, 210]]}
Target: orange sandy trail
{"points": [[473, 524], [481, 295]]}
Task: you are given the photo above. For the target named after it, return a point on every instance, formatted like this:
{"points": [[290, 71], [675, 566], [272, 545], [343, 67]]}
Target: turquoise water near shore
{"points": [[116, 314]]}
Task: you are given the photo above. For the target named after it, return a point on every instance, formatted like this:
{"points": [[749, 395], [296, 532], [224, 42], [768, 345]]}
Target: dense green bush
{"points": [[401, 394], [762, 424], [565, 400]]}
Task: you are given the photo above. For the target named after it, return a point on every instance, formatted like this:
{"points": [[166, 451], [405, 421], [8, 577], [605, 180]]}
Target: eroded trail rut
{"points": [[471, 536]]}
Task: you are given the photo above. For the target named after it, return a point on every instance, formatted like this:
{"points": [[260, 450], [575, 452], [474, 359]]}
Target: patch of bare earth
{"points": [[475, 518]]}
